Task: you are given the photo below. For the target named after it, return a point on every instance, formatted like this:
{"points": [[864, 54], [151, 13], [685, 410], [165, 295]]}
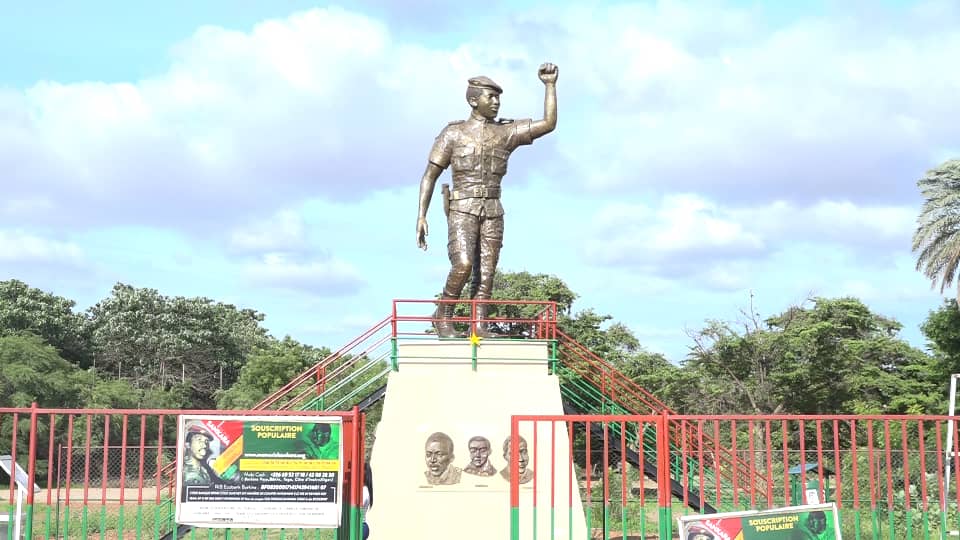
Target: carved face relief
{"points": [[438, 455], [479, 452]]}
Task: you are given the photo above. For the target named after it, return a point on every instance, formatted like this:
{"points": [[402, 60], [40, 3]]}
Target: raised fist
{"points": [[548, 73]]}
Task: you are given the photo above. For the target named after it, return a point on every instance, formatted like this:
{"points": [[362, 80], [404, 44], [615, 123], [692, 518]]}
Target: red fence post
{"points": [[664, 521], [515, 478], [31, 469]]}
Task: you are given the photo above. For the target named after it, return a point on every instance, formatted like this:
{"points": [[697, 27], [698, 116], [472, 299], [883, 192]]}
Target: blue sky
{"points": [[268, 153]]}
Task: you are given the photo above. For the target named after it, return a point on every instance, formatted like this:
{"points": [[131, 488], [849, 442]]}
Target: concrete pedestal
{"points": [[437, 390]]}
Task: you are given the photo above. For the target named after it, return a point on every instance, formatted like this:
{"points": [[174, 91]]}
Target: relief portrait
{"points": [[526, 473], [438, 454], [480, 449]]}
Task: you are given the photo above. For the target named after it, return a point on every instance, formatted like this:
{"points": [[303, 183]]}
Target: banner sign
{"points": [[259, 471], [809, 522]]}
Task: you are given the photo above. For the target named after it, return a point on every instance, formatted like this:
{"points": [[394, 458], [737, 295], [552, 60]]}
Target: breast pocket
{"points": [[464, 158], [498, 161]]}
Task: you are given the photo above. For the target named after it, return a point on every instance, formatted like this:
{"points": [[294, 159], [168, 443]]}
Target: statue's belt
{"points": [[475, 193]]}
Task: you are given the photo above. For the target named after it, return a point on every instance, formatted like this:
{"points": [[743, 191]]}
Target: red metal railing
{"points": [[408, 321], [542, 325], [147, 443], [316, 374], [539, 324], [886, 474], [628, 395]]}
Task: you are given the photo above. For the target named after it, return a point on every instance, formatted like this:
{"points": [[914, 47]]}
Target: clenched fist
{"points": [[548, 73]]}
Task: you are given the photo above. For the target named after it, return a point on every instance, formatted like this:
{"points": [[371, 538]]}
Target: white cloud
{"points": [[240, 122], [331, 103], [682, 232], [833, 107], [284, 231], [689, 235], [882, 228], [789, 136], [329, 277], [24, 247]]}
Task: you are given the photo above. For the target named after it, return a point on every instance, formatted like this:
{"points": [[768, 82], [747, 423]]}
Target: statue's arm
{"points": [[548, 74], [427, 183]]}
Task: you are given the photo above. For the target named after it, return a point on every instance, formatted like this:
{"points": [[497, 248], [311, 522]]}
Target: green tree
{"points": [[937, 237], [535, 287], [611, 340], [32, 371], [835, 356], [268, 369], [942, 330], [160, 341], [520, 286], [26, 309]]}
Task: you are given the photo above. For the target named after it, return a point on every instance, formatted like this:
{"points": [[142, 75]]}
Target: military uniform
{"points": [[195, 474], [477, 151]]}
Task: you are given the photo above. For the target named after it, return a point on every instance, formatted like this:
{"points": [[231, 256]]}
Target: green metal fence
{"points": [[110, 474], [891, 477]]}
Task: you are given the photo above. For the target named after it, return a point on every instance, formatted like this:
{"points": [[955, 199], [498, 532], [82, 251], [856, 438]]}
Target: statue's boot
{"points": [[443, 319], [484, 329]]}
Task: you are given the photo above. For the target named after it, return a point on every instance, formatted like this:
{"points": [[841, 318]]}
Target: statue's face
{"points": [[524, 456], [487, 104], [479, 452], [438, 456]]}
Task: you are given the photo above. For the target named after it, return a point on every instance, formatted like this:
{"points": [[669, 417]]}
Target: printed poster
{"points": [[259, 471], [809, 522]]}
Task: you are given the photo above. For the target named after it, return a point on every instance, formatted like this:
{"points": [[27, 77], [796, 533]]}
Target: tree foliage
{"points": [[26, 309], [937, 237], [834, 356], [32, 371], [268, 369], [139, 348], [156, 340]]}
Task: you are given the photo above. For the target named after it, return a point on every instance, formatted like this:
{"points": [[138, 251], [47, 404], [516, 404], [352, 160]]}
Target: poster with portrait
{"points": [[809, 522], [259, 471]]}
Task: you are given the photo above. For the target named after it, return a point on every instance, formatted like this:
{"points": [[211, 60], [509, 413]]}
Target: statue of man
{"points": [[477, 150]]}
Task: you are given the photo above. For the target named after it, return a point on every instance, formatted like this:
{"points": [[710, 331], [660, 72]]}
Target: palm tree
{"points": [[937, 237]]}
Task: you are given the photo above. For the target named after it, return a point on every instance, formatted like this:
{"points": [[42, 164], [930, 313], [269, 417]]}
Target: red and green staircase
{"points": [[356, 376]]}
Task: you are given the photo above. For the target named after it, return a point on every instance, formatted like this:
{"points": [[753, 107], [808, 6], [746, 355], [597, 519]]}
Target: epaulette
{"points": [[455, 122], [505, 121]]}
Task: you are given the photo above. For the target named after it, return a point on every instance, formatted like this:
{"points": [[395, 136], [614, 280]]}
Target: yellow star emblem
{"points": [[475, 339]]}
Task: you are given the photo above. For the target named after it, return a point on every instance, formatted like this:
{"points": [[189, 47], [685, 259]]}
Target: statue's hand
{"points": [[422, 231], [548, 73]]}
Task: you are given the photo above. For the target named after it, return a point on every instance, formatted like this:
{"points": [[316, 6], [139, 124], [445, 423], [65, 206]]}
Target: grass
{"points": [[135, 522]]}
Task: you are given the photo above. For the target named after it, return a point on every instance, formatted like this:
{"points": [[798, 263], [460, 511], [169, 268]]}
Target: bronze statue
{"points": [[526, 473], [479, 465], [438, 453], [477, 149]]}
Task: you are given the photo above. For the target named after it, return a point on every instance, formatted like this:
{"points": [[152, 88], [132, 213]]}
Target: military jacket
{"points": [[194, 474], [477, 152]]}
